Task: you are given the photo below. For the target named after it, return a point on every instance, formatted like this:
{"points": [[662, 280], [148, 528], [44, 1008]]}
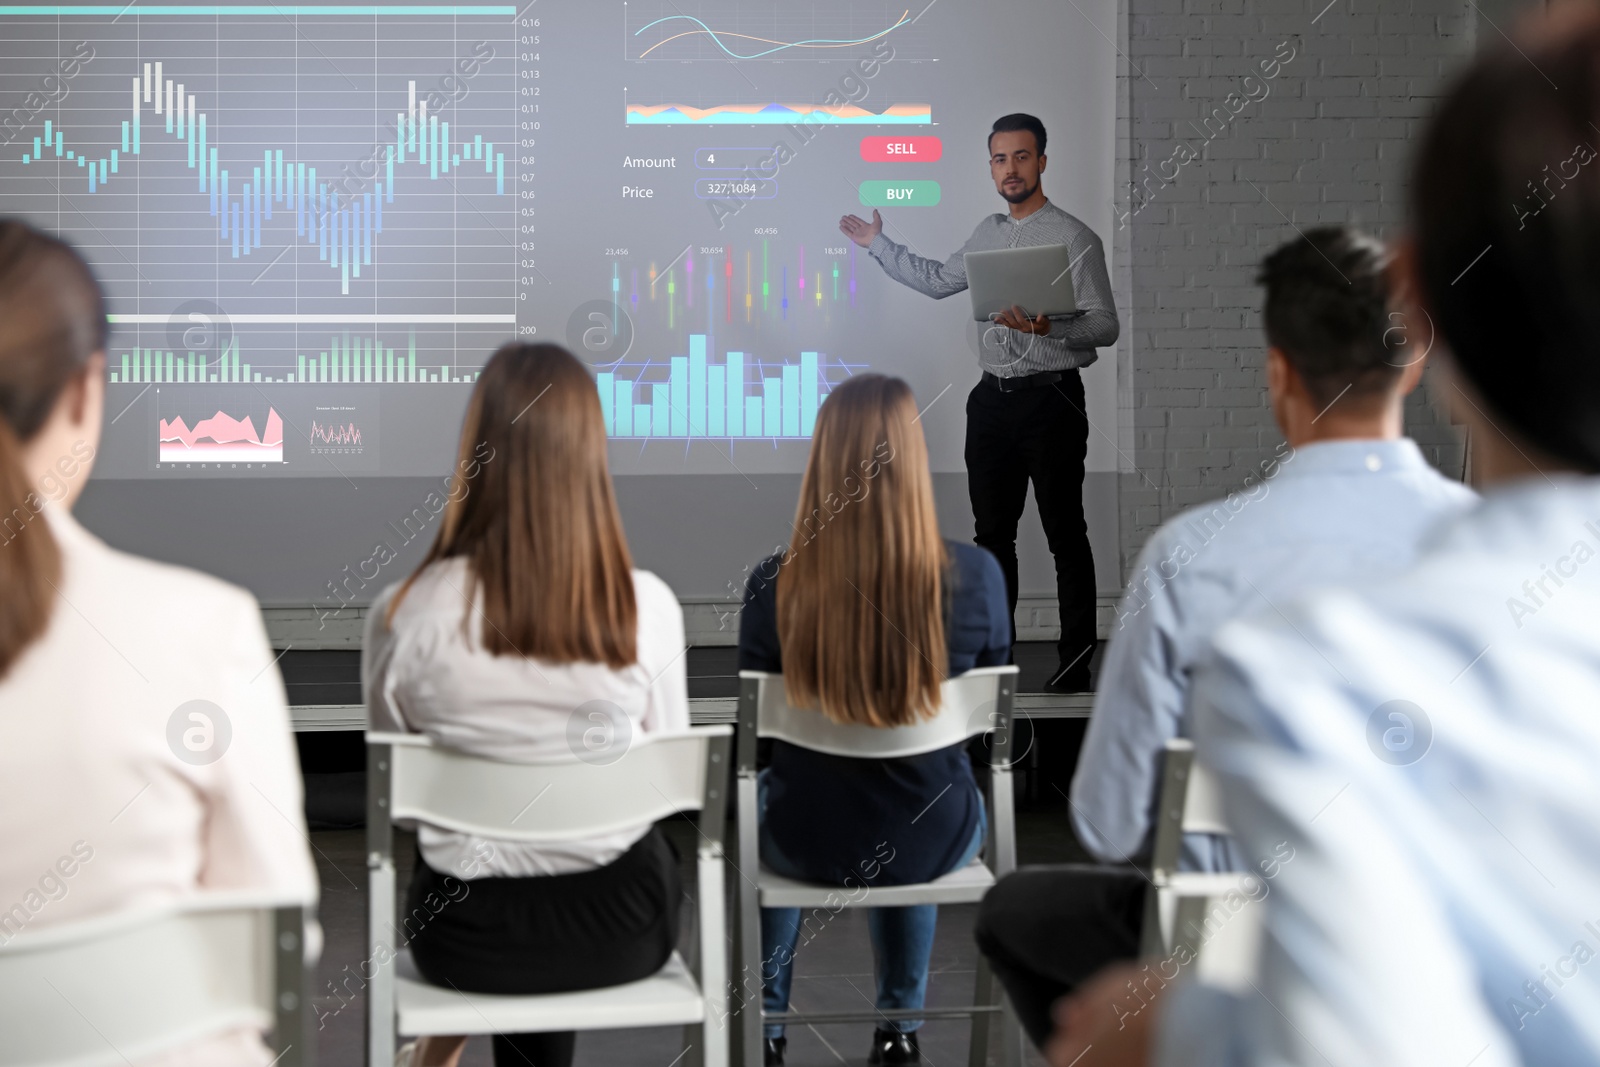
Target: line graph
{"points": [[347, 434], [769, 31], [341, 226], [778, 46], [302, 162]]}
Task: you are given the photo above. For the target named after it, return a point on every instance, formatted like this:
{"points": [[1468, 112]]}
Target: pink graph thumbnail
{"points": [[323, 434], [222, 439]]}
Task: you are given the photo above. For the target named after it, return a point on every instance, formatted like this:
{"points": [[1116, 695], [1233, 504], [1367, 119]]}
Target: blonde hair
{"points": [[860, 597]]}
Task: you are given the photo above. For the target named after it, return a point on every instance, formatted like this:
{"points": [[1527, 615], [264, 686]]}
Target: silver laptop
{"points": [[1037, 279]]}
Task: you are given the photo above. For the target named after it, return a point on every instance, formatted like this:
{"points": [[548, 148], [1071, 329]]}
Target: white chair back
{"points": [[567, 799], [1222, 924], [126, 987], [1202, 805], [1182, 906], [1189, 803], [967, 707], [977, 702], [557, 800]]}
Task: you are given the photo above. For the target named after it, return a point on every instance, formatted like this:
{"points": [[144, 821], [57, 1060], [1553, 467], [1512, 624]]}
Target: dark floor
{"points": [[834, 972]]}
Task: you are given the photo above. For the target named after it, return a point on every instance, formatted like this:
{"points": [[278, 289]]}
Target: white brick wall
{"points": [[1328, 144]]}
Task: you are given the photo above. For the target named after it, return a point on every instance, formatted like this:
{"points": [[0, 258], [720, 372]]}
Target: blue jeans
{"points": [[902, 938]]}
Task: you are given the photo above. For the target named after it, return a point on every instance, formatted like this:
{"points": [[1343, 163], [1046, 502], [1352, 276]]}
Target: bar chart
{"points": [[738, 396], [343, 358]]}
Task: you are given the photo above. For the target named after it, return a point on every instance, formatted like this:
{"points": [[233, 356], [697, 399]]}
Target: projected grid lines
{"points": [[302, 160]]}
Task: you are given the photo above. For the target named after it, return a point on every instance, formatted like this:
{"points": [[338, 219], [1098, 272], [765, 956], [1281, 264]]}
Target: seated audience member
{"points": [[1345, 497], [526, 613], [866, 614], [141, 764], [1427, 743]]}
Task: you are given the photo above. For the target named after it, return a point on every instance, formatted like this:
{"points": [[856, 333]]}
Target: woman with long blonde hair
{"points": [[866, 613], [525, 626]]}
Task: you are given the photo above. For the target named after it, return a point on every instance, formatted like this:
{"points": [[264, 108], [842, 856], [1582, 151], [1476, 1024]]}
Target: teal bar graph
{"points": [[791, 402], [622, 408], [608, 397], [735, 386], [772, 405], [658, 406], [680, 396], [707, 397], [697, 385], [718, 413], [810, 387], [356, 360]]}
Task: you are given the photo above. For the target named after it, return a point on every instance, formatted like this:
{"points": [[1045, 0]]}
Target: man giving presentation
{"points": [[1025, 417]]}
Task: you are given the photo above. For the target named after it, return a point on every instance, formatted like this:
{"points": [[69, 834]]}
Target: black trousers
{"points": [[1039, 435], [549, 934], [1046, 930]]}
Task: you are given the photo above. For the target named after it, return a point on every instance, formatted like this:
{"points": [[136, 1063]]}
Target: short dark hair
{"points": [[1327, 310], [1508, 242], [1019, 121]]}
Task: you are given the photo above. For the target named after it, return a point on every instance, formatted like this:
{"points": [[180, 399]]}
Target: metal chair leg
{"points": [[693, 1046], [747, 937], [1012, 1039], [984, 990]]}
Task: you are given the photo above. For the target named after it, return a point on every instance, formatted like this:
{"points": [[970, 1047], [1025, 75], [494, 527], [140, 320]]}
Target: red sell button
{"points": [[901, 149]]}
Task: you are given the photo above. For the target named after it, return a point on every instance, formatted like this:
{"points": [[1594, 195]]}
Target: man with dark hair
{"points": [[1026, 419], [1345, 497]]}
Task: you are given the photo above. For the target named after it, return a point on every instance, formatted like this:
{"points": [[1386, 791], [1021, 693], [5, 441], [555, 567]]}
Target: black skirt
{"points": [[550, 933]]}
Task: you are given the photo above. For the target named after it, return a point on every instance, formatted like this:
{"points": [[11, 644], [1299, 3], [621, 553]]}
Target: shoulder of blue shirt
{"points": [[1437, 493]]}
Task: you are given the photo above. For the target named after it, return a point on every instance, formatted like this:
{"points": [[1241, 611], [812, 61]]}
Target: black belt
{"points": [[1023, 381]]}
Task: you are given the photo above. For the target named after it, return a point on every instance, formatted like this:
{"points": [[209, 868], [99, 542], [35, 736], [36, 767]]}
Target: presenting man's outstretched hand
{"points": [[860, 230]]}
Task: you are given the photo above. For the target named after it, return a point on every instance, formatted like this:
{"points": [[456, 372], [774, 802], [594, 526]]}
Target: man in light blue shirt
{"points": [[1428, 743], [1346, 496], [1432, 756]]}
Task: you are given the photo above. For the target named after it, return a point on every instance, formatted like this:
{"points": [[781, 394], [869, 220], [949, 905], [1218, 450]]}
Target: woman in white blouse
{"points": [[527, 633], [145, 750]]}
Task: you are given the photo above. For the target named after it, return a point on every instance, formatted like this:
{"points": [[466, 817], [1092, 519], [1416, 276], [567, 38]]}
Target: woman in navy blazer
{"points": [[865, 614]]}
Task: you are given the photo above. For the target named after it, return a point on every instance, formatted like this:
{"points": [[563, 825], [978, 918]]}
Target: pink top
{"points": [[115, 790]]}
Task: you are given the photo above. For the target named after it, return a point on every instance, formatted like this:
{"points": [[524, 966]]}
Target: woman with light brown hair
{"points": [[865, 614], [146, 757], [527, 620]]}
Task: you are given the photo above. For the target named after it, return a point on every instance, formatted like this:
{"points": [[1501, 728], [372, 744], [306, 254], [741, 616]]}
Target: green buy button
{"points": [[900, 194]]}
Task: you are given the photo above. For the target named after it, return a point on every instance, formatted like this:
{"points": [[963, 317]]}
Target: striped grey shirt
{"points": [[1071, 342]]}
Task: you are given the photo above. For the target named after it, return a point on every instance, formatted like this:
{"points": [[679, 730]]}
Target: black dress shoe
{"points": [[891, 1046], [772, 1051], [1074, 679]]}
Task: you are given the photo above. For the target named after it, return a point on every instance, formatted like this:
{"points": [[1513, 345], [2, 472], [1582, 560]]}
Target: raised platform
{"points": [[325, 687], [701, 710]]}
